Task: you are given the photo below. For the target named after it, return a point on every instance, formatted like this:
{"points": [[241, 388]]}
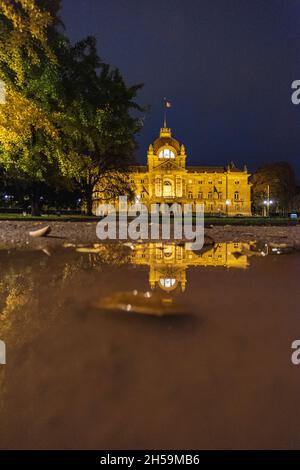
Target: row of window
{"points": [[190, 182], [200, 195], [210, 195]]}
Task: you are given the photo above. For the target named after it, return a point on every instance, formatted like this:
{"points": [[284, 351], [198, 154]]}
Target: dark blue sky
{"points": [[226, 65]]}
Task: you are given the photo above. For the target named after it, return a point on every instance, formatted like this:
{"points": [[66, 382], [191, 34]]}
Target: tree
{"points": [[98, 126], [280, 179], [29, 137], [65, 110]]}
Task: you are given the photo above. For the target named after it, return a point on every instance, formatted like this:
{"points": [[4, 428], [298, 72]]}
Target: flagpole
{"points": [[165, 112]]}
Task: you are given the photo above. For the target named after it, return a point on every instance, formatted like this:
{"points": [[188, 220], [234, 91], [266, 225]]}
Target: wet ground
{"points": [[150, 346]]}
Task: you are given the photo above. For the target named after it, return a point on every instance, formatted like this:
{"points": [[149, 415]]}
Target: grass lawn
{"points": [[263, 221], [50, 217]]}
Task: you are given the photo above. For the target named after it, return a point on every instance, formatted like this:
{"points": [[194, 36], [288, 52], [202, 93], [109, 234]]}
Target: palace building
{"points": [[168, 179]]}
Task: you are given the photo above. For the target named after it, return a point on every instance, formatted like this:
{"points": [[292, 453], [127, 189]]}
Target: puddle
{"points": [[150, 345]]}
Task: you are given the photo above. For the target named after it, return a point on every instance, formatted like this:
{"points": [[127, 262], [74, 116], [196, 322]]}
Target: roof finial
{"points": [[167, 104]]}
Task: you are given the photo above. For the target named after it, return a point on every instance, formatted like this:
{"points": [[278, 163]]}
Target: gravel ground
{"points": [[15, 234]]}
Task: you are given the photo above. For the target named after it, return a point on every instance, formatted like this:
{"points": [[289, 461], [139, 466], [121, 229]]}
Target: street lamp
{"points": [[267, 204], [227, 202]]}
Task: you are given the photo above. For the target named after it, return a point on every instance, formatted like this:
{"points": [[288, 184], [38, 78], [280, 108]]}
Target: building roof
{"points": [[139, 168], [166, 138], [162, 141], [206, 169]]}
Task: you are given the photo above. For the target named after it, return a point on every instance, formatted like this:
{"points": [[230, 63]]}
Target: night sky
{"points": [[226, 65]]}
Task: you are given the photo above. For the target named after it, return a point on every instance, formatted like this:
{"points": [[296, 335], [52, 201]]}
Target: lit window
{"points": [[236, 196], [190, 195], [168, 189], [200, 195], [166, 153]]}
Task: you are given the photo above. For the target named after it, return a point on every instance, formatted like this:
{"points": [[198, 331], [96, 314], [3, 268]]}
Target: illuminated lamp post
{"points": [[267, 204], [228, 202]]}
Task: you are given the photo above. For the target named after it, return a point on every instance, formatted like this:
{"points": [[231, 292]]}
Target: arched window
{"points": [[190, 195], [236, 196], [166, 153], [200, 195]]}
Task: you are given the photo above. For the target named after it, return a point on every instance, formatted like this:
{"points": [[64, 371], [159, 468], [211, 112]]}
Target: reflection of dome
{"points": [[168, 283]]}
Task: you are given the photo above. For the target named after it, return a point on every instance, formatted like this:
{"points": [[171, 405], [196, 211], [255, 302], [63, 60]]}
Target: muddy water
{"points": [[149, 346]]}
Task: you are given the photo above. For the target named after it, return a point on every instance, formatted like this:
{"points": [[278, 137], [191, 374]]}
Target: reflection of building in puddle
{"points": [[168, 263]]}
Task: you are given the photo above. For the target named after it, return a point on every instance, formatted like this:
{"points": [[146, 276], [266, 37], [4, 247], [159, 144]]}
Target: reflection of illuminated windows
{"points": [[166, 153], [167, 283], [168, 251]]}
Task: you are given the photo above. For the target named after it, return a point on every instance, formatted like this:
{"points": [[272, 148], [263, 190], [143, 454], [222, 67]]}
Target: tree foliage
{"points": [[65, 111], [98, 126], [280, 178]]}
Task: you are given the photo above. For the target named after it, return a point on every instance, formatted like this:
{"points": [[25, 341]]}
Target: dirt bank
{"points": [[16, 233]]}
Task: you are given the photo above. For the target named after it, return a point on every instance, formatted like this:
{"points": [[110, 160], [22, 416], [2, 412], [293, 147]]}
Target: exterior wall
{"points": [[223, 191]]}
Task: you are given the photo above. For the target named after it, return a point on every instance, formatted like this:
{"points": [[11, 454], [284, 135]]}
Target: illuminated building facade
{"points": [[167, 179]]}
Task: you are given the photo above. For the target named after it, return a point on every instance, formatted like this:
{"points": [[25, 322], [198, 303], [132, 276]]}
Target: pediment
{"points": [[168, 165]]}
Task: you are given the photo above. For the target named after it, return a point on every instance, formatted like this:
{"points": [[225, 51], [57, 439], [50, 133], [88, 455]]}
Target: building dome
{"points": [[166, 139]]}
